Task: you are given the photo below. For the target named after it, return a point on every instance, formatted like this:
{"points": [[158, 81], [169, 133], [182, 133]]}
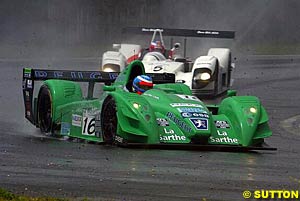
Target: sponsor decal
{"points": [[186, 114], [150, 95], [24, 83], [65, 128], [113, 75], [191, 109], [179, 122], [40, 74], [200, 124], [170, 131], [162, 122], [98, 75], [194, 114], [223, 138], [119, 139], [76, 120], [27, 73], [157, 68], [27, 96], [151, 29], [29, 84], [171, 136], [95, 75], [58, 74], [98, 128], [188, 97], [222, 124], [76, 75], [208, 32], [185, 105]]}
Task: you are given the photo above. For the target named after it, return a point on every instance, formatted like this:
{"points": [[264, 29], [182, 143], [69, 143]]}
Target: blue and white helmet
{"points": [[142, 83]]}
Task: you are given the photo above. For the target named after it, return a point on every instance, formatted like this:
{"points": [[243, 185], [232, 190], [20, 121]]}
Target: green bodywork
{"points": [[168, 113]]}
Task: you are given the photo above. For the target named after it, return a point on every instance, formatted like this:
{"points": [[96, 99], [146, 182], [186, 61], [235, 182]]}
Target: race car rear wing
{"points": [[182, 32], [31, 75]]}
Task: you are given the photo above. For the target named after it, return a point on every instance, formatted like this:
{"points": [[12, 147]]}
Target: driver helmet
{"points": [[142, 83], [158, 45]]}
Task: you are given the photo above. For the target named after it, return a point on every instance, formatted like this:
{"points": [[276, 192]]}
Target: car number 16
{"points": [[88, 126]]}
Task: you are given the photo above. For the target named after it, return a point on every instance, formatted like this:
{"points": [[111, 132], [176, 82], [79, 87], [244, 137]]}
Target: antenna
{"points": [[134, 55], [184, 48]]}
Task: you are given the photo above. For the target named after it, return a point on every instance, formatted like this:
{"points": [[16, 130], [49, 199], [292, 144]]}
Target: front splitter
{"points": [[174, 146]]}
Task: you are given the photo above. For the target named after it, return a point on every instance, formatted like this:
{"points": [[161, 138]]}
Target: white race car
{"points": [[207, 76]]}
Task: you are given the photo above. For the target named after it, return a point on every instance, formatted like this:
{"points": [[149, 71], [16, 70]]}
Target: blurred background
{"points": [[73, 35], [56, 29]]}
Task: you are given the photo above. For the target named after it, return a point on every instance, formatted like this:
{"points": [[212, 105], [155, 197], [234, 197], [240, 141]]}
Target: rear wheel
{"points": [[109, 120], [45, 110]]}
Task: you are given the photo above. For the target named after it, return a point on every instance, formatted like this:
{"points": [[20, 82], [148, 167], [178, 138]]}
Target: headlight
{"points": [[253, 110], [108, 70], [111, 68], [202, 76], [136, 105], [205, 76], [250, 111]]}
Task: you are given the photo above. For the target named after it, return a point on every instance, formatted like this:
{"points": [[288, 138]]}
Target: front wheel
{"points": [[109, 121], [44, 108]]}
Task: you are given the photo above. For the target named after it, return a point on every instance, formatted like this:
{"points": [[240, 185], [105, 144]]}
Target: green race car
{"points": [[166, 116]]}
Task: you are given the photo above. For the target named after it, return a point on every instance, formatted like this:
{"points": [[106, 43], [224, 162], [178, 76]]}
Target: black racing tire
{"points": [[44, 108], [229, 71], [109, 120]]}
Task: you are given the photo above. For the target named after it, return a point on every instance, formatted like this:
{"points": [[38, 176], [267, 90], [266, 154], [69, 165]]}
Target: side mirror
{"points": [[116, 46], [232, 65], [231, 93], [180, 81], [109, 88], [177, 45]]}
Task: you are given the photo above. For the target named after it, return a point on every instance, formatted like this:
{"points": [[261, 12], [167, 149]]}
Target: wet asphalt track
{"points": [[39, 166]]}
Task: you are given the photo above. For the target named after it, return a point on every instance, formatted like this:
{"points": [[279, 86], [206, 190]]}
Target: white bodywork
{"points": [[216, 66], [217, 62], [112, 61], [117, 60], [129, 50], [156, 62]]}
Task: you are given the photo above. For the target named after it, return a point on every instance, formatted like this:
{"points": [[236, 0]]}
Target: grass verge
{"points": [[8, 196]]}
